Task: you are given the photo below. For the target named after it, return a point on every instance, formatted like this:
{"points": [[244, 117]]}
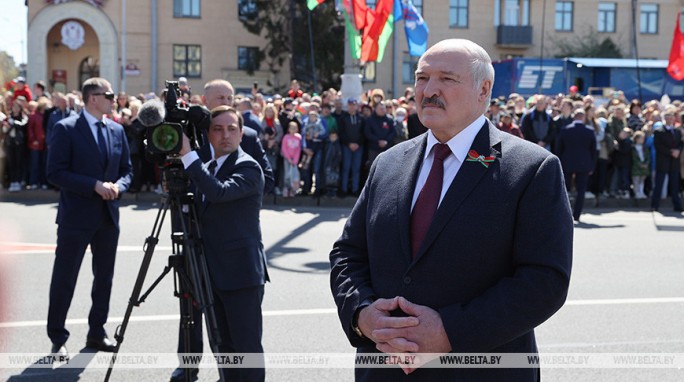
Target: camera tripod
{"points": [[191, 275]]}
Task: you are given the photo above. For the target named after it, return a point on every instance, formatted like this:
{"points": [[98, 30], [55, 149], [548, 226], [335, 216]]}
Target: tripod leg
{"points": [[150, 244]]}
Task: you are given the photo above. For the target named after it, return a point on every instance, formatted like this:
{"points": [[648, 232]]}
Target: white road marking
{"points": [[308, 312]]}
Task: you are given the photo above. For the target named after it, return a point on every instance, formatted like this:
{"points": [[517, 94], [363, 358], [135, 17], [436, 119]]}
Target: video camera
{"points": [[167, 122]]}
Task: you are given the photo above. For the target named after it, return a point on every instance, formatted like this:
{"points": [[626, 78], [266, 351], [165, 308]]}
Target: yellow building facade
{"points": [[139, 44]]}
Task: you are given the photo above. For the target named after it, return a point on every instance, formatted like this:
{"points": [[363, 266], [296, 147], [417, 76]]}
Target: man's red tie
{"points": [[428, 199]]}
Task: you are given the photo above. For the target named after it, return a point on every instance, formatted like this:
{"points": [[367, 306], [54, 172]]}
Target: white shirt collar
{"points": [[220, 160], [92, 120], [460, 144]]}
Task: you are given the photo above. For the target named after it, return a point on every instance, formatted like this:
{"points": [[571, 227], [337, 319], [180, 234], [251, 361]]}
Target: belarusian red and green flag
{"points": [[313, 3], [352, 32], [378, 29]]}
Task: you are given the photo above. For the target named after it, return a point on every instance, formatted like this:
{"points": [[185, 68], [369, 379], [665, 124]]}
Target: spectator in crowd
{"points": [[668, 146], [635, 120], [291, 149], [15, 128], [379, 132], [271, 136], [400, 129], [577, 151], [494, 113], [536, 125], [641, 159], [3, 153], [352, 139], [573, 93], [22, 90], [507, 125], [623, 162], [333, 160], [314, 136], [184, 88], [414, 126], [565, 117], [39, 91], [328, 120], [250, 120], [295, 92], [135, 132], [36, 145]]}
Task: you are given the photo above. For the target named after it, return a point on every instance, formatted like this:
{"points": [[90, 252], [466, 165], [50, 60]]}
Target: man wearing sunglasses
{"points": [[89, 161]]}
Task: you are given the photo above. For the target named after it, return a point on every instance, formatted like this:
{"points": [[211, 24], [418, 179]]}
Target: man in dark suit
{"points": [[251, 120], [668, 146], [231, 187], [220, 93], [576, 148], [89, 162], [352, 138], [461, 240]]}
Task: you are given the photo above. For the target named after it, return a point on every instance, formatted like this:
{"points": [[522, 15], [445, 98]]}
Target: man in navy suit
{"points": [[230, 189], [576, 148], [461, 240], [89, 161], [220, 93], [668, 146]]}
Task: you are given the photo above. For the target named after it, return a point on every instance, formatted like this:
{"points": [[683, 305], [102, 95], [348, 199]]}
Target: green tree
{"points": [[8, 68], [589, 44], [285, 26]]}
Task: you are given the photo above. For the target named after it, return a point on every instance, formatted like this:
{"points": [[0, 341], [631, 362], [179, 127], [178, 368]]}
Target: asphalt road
{"points": [[626, 295]]}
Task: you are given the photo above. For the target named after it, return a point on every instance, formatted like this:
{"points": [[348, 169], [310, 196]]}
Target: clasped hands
{"points": [[422, 331], [107, 190]]}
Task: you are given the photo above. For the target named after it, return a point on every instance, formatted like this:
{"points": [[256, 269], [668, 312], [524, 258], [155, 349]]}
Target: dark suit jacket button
{"points": [[407, 280]]}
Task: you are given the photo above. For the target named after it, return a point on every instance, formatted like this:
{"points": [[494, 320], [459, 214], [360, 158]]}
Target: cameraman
{"points": [[230, 188], [220, 93]]}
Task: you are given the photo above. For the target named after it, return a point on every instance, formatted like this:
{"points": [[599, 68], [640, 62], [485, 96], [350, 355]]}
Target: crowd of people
{"points": [[323, 145]]}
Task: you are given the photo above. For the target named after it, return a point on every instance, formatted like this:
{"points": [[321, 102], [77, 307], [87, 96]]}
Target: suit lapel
{"points": [[411, 161], [488, 143]]}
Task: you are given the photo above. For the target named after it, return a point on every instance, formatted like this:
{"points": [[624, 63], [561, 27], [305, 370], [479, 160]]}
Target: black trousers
{"points": [[71, 246], [581, 183]]}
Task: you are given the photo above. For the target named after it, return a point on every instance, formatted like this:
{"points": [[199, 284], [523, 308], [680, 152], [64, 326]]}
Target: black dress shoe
{"points": [[59, 352], [101, 344], [178, 375]]}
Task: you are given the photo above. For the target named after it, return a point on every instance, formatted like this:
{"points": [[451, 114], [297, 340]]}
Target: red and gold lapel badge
{"points": [[473, 156]]}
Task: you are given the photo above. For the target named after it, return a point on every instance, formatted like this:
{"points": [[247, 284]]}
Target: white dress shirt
{"points": [[192, 156], [459, 145], [93, 127]]}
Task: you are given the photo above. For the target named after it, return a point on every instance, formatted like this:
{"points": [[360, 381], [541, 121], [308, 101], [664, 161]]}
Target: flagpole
{"points": [[636, 50], [351, 86], [313, 61]]}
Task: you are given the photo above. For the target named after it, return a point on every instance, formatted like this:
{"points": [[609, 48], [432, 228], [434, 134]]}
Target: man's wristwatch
{"points": [[355, 319]]}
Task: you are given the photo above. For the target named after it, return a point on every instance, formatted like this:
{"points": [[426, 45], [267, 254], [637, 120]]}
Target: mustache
{"points": [[432, 101]]}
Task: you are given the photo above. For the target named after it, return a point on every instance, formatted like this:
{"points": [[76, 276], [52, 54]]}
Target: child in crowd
{"points": [[291, 151], [314, 135], [641, 159], [333, 160], [622, 162]]}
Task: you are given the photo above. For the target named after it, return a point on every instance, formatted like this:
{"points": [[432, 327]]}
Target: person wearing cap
{"points": [[573, 93], [288, 114], [21, 89], [184, 88], [352, 139], [576, 148]]}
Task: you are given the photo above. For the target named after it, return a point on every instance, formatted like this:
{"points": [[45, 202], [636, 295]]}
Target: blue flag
{"points": [[416, 29]]}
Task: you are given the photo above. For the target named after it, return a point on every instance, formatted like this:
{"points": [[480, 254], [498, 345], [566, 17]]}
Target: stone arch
{"points": [[49, 16]]}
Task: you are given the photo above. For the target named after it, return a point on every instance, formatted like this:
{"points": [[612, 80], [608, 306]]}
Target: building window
{"points": [[648, 19], [369, 72], [458, 13], [247, 10], [248, 58], [408, 68], [564, 16], [187, 61], [515, 12], [606, 17], [419, 6], [186, 8]]}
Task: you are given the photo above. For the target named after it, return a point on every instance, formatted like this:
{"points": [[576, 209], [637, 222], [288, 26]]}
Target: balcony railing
{"points": [[514, 36]]}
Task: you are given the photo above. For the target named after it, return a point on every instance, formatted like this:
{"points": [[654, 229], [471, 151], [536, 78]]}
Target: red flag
{"points": [[375, 24], [676, 65], [359, 11]]}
